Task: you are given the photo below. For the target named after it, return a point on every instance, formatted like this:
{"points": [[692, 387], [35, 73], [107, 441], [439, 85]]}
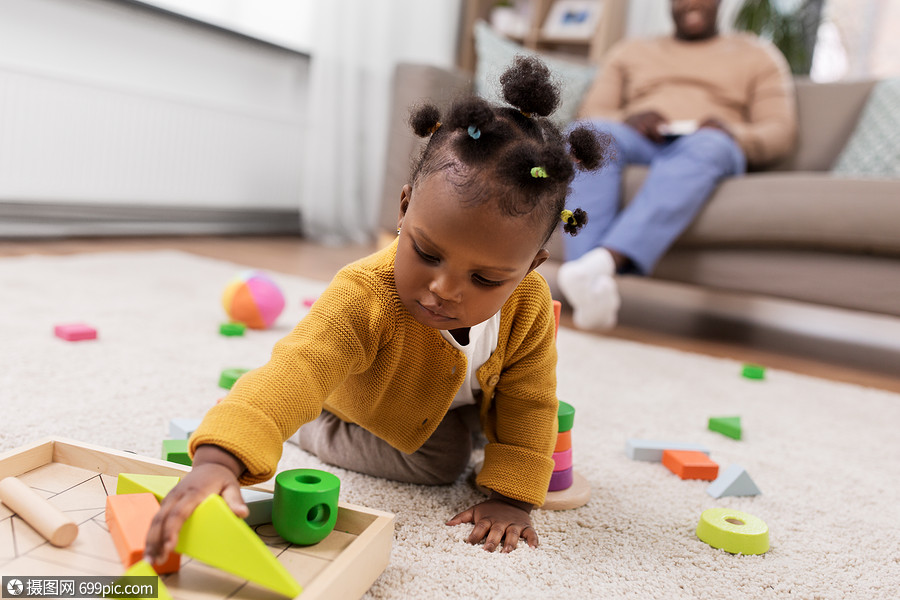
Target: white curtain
{"points": [[356, 44]]}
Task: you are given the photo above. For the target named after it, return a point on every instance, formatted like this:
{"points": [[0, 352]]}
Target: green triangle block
{"points": [[142, 569], [216, 536], [158, 485], [730, 426]]}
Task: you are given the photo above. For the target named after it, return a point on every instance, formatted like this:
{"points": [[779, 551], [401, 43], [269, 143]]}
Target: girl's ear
{"points": [[542, 255], [405, 195]]}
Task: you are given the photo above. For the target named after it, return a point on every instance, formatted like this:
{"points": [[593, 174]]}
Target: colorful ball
{"points": [[252, 298]]}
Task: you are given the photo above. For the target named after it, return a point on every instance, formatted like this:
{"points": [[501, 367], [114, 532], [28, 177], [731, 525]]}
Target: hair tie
{"points": [[434, 128], [527, 115], [474, 132], [539, 172], [567, 216]]}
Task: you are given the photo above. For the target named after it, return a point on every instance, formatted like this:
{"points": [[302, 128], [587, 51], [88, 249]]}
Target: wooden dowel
{"points": [[45, 518]]}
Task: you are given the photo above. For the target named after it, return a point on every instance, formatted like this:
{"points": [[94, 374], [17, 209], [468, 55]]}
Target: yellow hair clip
{"points": [[434, 128], [567, 216], [539, 172]]}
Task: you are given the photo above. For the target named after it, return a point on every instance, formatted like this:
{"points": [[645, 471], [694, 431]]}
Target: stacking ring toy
{"points": [[733, 531], [305, 506]]}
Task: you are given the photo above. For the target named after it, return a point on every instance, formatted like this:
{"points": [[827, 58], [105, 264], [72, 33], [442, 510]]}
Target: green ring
{"points": [[305, 506], [565, 416]]}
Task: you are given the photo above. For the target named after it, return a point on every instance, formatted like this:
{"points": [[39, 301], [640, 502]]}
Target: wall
{"points": [[111, 104]]}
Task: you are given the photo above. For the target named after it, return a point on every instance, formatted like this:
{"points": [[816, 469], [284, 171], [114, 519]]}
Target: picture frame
{"points": [[572, 19]]}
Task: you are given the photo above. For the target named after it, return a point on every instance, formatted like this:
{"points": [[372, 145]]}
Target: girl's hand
{"points": [[499, 520], [214, 471]]}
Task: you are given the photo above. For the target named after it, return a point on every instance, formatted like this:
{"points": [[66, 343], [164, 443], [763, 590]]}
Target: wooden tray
{"points": [[77, 477]]}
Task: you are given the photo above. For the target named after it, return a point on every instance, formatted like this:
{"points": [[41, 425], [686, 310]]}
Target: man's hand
{"points": [[214, 471], [647, 124], [499, 520]]}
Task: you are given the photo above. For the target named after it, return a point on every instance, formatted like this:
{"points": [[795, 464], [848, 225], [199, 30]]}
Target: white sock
{"points": [[588, 285]]}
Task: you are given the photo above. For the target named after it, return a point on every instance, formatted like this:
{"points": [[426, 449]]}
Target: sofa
{"points": [[795, 231]]}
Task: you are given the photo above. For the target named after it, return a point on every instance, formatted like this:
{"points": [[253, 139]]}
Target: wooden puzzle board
{"points": [[77, 477]]}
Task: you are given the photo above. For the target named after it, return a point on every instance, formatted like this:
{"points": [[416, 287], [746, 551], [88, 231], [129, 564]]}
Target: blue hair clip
{"points": [[474, 132]]}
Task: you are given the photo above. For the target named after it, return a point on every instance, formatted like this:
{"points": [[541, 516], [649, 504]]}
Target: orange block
{"points": [[128, 517], [563, 441], [690, 464]]}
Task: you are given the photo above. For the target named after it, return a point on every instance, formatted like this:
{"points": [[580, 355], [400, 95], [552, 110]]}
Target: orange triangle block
{"points": [[143, 569], [158, 485], [216, 536]]}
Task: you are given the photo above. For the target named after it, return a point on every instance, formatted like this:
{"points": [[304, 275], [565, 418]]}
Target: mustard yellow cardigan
{"points": [[361, 355]]}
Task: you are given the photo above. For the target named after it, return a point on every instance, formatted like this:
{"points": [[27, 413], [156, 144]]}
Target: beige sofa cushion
{"points": [[802, 210]]}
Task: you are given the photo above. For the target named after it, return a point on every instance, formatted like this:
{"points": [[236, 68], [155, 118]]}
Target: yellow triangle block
{"points": [[143, 569], [158, 485], [216, 536]]}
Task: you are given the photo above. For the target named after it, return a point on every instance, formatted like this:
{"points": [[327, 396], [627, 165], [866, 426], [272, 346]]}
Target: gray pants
{"points": [[441, 460]]}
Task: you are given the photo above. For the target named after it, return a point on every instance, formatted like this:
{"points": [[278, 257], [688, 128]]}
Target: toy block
{"points": [[734, 481], [308, 302], [229, 377], [557, 312], [690, 464], [562, 460], [260, 505], [733, 531], [652, 450], [232, 329], [176, 451], [158, 485], [561, 480], [305, 508], [144, 569], [216, 536], [181, 429], [128, 517], [563, 441], [753, 371], [54, 525], [565, 416], [75, 332], [730, 426]]}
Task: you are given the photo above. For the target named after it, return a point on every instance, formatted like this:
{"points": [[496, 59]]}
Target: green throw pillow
{"points": [[874, 148], [495, 53]]}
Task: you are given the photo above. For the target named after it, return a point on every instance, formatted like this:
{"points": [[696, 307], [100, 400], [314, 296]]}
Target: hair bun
{"points": [[425, 119], [528, 86]]}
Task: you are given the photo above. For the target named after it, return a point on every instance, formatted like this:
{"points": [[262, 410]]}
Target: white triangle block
{"points": [[734, 481]]}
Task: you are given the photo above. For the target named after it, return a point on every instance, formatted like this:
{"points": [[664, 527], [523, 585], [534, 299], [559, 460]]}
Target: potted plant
{"points": [[792, 31]]}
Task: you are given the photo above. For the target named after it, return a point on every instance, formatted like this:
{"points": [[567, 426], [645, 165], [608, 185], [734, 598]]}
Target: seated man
{"points": [[695, 107]]}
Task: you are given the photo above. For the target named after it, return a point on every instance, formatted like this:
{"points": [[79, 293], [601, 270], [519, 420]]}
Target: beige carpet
{"points": [[825, 455]]}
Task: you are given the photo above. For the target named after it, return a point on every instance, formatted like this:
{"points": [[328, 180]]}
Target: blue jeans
{"points": [[683, 174]]}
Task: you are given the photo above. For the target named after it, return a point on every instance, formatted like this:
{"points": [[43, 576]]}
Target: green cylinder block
{"points": [[305, 506], [566, 416]]}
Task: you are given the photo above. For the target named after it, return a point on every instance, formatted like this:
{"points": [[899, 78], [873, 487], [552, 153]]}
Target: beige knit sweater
{"points": [[740, 79], [360, 354]]}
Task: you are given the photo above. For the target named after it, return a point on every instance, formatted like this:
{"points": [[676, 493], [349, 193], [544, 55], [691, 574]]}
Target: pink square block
{"points": [[74, 332]]}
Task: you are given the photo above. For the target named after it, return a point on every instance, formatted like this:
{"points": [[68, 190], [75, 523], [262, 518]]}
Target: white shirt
{"points": [[483, 339]]}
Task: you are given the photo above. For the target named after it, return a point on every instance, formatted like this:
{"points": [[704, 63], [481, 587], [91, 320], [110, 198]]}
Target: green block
{"points": [[176, 451], [566, 416], [215, 536], [305, 507], [232, 329], [142, 573], [229, 376], [754, 371], [730, 426], [158, 485]]}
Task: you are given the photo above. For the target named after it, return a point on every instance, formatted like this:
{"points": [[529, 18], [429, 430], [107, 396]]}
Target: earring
{"points": [[398, 231]]}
